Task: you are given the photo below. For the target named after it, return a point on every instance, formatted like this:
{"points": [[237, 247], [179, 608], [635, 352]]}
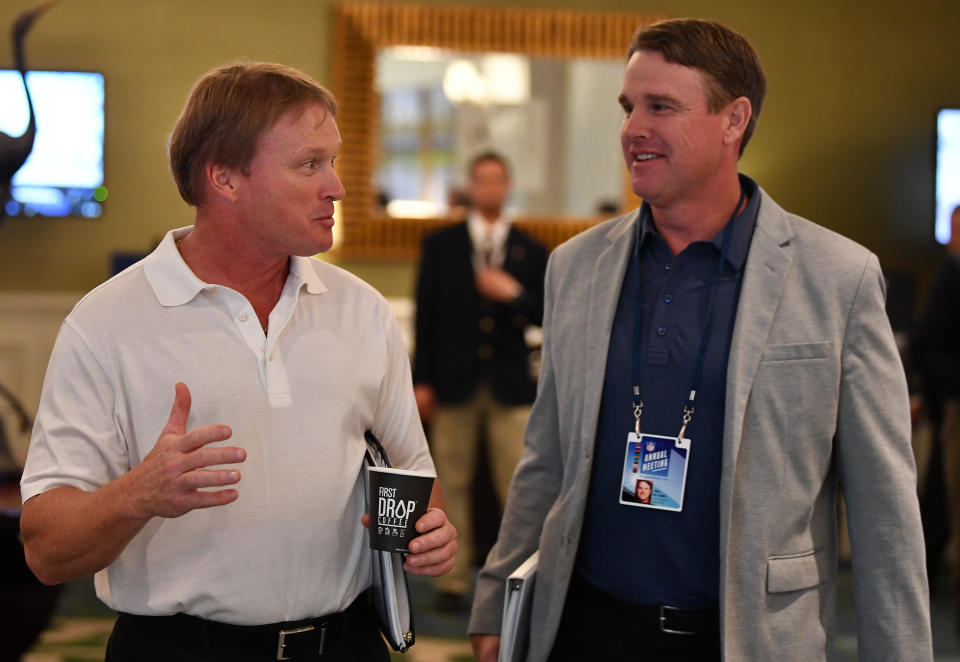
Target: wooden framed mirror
{"points": [[361, 30]]}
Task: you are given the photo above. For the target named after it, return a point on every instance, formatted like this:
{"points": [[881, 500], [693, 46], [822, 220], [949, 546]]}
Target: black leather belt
{"points": [[681, 621], [307, 638], [651, 618]]}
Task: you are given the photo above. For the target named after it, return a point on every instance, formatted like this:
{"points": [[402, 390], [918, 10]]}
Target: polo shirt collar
{"points": [[169, 276], [303, 270], [743, 226], [174, 284]]}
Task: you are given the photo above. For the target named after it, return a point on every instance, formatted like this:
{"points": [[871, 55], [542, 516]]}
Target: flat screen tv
{"points": [[64, 174], [948, 170]]}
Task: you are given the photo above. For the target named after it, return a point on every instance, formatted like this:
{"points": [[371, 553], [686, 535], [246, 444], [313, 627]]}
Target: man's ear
{"points": [[738, 113], [222, 181]]}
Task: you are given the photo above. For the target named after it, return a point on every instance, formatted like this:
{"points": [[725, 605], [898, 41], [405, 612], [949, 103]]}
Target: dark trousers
{"points": [[599, 627], [186, 639]]}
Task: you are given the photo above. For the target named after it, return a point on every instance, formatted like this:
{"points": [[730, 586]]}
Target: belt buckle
{"points": [[282, 639], [663, 620]]}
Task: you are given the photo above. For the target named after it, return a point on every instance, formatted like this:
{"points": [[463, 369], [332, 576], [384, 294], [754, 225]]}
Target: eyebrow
{"points": [[314, 152], [662, 98]]}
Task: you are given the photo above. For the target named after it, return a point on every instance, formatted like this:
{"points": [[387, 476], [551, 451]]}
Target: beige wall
{"points": [[845, 137]]}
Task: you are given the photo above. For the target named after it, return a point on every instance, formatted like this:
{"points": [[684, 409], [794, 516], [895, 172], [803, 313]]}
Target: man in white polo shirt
{"points": [[229, 528]]}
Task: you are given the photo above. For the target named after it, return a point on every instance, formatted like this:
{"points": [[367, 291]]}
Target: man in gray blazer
{"points": [[739, 359]]}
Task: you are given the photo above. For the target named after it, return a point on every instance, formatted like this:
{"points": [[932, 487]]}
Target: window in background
{"points": [[948, 170]]}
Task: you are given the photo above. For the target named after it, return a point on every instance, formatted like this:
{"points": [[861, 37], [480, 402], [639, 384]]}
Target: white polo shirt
{"points": [[298, 399]]}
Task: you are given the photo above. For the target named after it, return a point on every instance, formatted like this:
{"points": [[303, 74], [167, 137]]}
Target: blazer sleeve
{"points": [[534, 490], [878, 478], [530, 302]]}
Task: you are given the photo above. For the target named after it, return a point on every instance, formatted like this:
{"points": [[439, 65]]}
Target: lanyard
{"points": [[688, 408]]}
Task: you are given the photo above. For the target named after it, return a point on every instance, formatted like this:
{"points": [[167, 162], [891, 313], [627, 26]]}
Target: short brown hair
{"points": [[489, 155], [228, 110], [729, 64]]}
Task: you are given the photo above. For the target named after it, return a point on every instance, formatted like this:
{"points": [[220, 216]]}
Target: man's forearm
{"points": [[69, 533]]}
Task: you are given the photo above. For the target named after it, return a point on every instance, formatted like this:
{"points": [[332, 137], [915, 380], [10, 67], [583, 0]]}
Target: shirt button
{"points": [[662, 331], [242, 317], [668, 298], [484, 352], [487, 324], [666, 267]]}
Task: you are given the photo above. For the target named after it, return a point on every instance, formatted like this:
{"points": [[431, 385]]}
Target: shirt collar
{"points": [[478, 228], [174, 284], [169, 276], [302, 268], [742, 226]]}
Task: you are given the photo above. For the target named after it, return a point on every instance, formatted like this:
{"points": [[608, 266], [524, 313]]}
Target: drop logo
{"points": [[401, 498], [392, 512]]}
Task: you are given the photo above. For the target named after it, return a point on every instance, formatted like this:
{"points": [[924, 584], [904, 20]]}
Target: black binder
{"points": [[391, 595]]}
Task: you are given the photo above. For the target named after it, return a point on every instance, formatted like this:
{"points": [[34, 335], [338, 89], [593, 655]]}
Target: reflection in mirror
{"points": [[557, 121]]}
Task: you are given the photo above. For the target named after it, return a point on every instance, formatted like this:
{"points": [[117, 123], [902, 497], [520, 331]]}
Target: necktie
{"points": [[487, 251]]}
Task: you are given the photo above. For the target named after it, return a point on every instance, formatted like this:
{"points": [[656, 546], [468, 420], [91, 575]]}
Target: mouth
{"points": [[642, 157]]}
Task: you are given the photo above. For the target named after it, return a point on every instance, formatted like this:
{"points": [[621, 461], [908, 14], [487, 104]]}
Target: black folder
{"points": [[391, 595]]}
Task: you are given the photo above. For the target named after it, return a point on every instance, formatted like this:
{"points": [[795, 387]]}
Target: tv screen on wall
{"points": [[948, 170], [64, 174]]}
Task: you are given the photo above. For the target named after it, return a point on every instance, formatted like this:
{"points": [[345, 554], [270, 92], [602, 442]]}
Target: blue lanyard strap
{"points": [[688, 408]]}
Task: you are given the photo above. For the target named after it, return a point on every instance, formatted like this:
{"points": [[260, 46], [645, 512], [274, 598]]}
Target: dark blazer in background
{"points": [[935, 342], [456, 327]]}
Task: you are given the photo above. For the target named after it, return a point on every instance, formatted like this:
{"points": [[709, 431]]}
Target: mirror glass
{"points": [[557, 122]]}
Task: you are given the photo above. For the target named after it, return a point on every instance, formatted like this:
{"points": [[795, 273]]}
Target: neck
{"points": [[222, 258], [489, 215], [699, 217]]}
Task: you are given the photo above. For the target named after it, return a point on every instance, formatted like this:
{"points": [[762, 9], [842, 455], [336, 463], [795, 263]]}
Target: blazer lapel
{"points": [[765, 273], [608, 274]]}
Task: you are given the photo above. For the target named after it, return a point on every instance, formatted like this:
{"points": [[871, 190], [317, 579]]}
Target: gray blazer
{"points": [[816, 399]]}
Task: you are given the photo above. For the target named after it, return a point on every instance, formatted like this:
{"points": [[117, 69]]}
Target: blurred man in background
{"points": [[480, 285], [935, 345]]}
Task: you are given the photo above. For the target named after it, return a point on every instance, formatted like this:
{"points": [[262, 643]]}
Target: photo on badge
{"points": [[654, 472]]}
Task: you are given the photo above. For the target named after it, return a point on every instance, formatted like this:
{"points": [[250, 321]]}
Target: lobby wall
{"points": [[845, 137]]}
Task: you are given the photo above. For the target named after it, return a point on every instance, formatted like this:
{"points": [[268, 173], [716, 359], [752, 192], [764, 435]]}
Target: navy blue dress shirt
{"points": [[643, 555]]}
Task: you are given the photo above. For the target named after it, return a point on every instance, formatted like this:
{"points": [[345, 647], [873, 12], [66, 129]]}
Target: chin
{"points": [[644, 192], [649, 191], [323, 240], [313, 246], [321, 247]]}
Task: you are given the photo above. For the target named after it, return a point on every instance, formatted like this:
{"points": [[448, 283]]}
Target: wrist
{"points": [[132, 504]]}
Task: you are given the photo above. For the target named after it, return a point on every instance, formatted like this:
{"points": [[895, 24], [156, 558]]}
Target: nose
{"points": [[634, 126], [333, 187]]}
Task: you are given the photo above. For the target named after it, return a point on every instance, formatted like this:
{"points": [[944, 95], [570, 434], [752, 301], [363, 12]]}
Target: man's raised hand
{"points": [[167, 482]]}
